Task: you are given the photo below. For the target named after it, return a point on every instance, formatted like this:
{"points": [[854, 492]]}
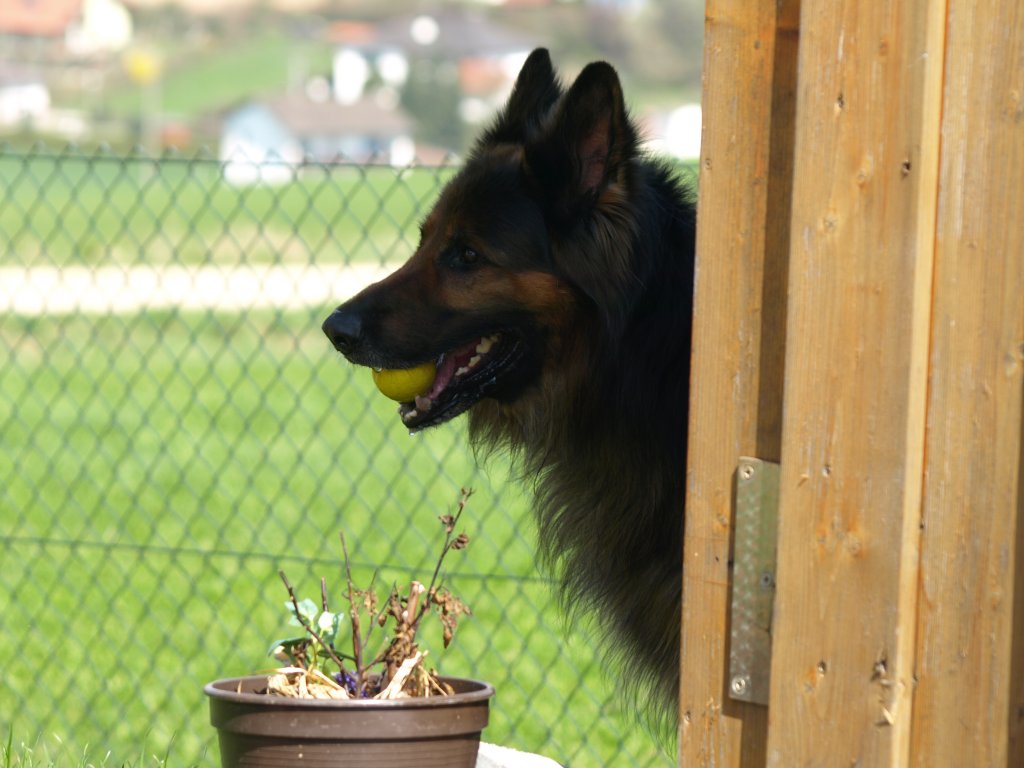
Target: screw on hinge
{"points": [[739, 685]]}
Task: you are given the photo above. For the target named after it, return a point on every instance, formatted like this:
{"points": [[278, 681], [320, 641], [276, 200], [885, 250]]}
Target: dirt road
{"points": [[113, 290]]}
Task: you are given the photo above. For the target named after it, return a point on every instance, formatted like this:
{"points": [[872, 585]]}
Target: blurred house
{"points": [[87, 26], [24, 96], [456, 42], [25, 104], [104, 26], [266, 141], [38, 18]]}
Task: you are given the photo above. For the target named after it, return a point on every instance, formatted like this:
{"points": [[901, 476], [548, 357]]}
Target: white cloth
{"points": [[493, 756]]}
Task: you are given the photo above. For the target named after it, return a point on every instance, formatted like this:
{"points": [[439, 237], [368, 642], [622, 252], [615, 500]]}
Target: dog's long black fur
{"points": [[573, 250]]}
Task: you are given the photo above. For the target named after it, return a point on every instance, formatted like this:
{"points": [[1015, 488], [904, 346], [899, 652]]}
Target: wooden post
{"points": [[855, 390], [742, 234], [887, 263], [969, 683]]}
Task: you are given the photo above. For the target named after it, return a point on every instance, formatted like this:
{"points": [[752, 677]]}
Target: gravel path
{"points": [[112, 290]]}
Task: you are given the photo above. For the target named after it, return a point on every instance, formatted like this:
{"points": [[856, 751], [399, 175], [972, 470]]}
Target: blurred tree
{"points": [[431, 96], [667, 43], [607, 33]]}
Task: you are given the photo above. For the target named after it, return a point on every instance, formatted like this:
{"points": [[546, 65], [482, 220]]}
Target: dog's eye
{"points": [[463, 258]]}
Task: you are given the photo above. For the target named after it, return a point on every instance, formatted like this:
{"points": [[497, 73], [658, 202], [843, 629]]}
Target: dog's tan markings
{"points": [[513, 153], [613, 196], [543, 293], [540, 293]]}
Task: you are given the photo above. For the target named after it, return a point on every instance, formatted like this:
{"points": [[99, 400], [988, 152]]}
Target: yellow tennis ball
{"points": [[403, 384]]}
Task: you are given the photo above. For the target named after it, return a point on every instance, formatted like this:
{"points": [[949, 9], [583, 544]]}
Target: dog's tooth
{"points": [[409, 416], [462, 371], [423, 403], [474, 360], [485, 345]]}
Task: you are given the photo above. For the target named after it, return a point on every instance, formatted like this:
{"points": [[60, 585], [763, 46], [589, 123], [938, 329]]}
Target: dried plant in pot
{"points": [[354, 707]]}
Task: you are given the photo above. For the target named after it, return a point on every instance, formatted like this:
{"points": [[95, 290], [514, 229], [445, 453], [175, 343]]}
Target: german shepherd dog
{"points": [[553, 282]]}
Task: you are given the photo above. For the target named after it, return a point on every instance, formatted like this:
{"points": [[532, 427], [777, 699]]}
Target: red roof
{"points": [[49, 18]]}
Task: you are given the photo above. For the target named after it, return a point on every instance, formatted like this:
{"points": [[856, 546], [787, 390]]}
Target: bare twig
{"points": [[449, 529], [397, 683], [379, 620], [412, 602], [374, 618], [353, 612]]}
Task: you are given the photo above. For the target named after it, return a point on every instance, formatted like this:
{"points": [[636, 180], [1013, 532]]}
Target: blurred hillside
{"points": [[157, 74]]}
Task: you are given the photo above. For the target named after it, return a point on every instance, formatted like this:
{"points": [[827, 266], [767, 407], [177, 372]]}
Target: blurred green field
{"points": [[223, 73], [103, 209], [157, 469]]}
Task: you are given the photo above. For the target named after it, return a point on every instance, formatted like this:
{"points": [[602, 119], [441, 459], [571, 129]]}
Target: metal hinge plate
{"points": [[753, 586]]}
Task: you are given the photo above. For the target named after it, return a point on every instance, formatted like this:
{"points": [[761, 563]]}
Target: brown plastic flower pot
{"points": [[258, 731]]}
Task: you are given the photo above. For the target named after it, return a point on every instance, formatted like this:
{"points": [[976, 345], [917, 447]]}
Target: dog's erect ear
{"points": [[585, 147], [536, 89], [586, 144]]}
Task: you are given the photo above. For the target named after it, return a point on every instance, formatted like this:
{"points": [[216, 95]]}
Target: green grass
{"points": [[157, 469], [229, 72], [101, 209], [41, 755]]}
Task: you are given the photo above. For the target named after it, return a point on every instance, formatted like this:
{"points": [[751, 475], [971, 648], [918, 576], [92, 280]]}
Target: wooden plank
{"points": [[1015, 716], [742, 244], [856, 362], [964, 708]]}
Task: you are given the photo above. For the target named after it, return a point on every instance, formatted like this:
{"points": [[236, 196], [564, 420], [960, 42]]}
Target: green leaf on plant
{"points": [[307, 608], [289, 651], [287, 644]]}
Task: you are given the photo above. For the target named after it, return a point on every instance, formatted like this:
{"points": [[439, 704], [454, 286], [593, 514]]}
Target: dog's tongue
{"points": [[445, 372], [452, 365], [458, 362]]}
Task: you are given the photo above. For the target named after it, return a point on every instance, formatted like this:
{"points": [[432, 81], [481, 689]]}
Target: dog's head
{"points": [[529, 236]]}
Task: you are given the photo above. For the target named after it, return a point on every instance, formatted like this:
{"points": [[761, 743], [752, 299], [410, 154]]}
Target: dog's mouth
{"points": [[465, 375]]}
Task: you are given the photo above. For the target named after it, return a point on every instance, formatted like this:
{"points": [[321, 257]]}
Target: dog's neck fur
{"points": [[605, 533]]}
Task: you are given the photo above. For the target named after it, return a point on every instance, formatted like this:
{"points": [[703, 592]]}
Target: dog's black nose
{"points": [[344, 328]]}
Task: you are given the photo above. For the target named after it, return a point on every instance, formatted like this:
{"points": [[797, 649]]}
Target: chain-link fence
{"points": [[174, 429]]}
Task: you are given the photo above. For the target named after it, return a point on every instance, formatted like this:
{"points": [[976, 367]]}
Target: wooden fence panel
{"points": [[860, 277], [739, 333], [898, 634], [966, 705]]}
